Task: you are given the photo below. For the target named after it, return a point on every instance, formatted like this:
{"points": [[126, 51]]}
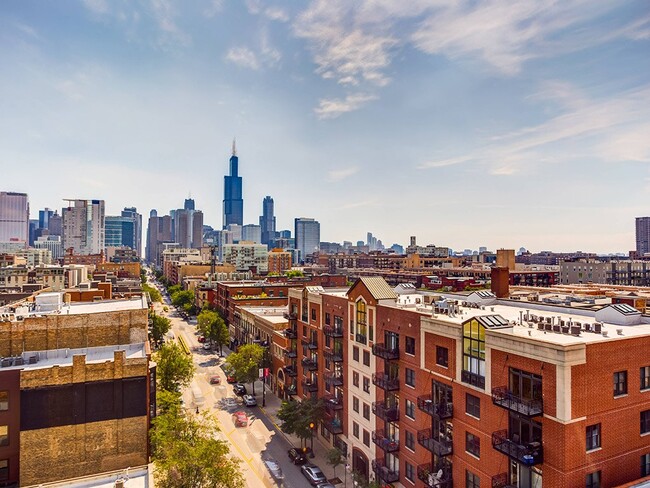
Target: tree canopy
{"points": [[334, 458], [297, 416], [159, 327], [213, 327], [245, 363], [175, 368], [183, 298], [153, 292]]}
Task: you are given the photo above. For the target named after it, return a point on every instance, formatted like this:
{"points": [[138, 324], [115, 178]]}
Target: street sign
{"points": [[261, 373]]}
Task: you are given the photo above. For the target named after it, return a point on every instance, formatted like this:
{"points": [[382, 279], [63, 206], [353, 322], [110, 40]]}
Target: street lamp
{"points": [[312, 425]]}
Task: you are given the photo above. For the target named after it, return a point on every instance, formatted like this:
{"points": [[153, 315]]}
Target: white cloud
{"points": [[332, 108], [276, 13], [342, 173], [243, 57], [96, 6], [214, 8], [165, 15]]}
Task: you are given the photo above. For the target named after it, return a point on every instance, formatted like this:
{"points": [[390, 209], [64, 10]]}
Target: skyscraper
{"points": [[188, 226], [84, 226], [267, 221], [44, 218], [14, 217], [136, 243], [159, 231], [642, 235], [233, 203], [307, 234]]}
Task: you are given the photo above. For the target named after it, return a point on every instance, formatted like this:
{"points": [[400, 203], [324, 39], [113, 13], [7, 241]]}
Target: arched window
{"points": [[362, 324], [474, 353]]}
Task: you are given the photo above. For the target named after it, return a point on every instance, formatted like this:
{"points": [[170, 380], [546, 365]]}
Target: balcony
{"points": [[438, 477], [384, 473], [333, 424], [441, 410], [528, 454], [309, 386], [388, 413], [333, 403], [290, 334], [386, 353], [385, 443], [473, 379], [361, 338], [291, 371], [291, 390], [291, 353], [334, 356], [440, 446], [309, 364], [290, 315], [334, 379], [503, 397], [311, 344], [385, 382], [333, 331], [501, 481]]}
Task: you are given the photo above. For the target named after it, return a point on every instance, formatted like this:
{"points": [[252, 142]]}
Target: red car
{"points": [[201, 339], [240, 419]]}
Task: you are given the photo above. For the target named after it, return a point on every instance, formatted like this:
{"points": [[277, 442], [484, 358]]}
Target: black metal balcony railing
{"points": [[291, 353], [386, 353], [291, 390], [290, 315], [361, 338], [388, 444], [388, 413], [333, 403], [334, 356], [333, 424], [291, 371], [503, 397], [501, 481], [309, 364], [440, 446], [333, 331], [438, 476], [443, 410], [385, 382], [473, 379], [529, 454], [290, 334], [384, 473], [334, 379], [311, 344], [310, 386]]}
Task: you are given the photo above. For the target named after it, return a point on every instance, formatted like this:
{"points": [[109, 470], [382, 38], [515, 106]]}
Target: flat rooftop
{"points": [[141, 477], [274, 315], [78, 308]]}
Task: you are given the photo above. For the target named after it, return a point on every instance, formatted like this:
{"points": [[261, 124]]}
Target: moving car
{"points": [[249, 400], [274, 468], [297, 456], [215, 380], [313, 474], [239, 389], [240, 419]]}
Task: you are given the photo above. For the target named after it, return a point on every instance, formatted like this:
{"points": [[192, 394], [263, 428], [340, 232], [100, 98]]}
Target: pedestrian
{"points": [[197, 410]]}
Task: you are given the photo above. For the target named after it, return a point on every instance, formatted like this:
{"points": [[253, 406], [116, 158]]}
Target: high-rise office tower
{"points": [[125, 230], [642, 235], [44, 218], [233, 203], [84, 226], [189, 204], [188, 226], [159, 231], [14, 217], [267, 221], [251, 233], [307, 234], [136, 241], [55, 225]]}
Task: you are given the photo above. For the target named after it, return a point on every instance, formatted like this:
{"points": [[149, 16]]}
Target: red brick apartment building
{"points": [[425, 390]]}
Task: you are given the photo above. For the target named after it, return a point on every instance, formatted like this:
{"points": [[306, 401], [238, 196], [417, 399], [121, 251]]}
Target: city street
{"points": [[262, 438]]}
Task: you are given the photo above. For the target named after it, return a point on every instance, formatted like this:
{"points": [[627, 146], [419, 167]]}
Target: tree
{"points": [[294, 273], [173, 289], [297, 417], [143, 276], [183, 299], [159, 327], [175, 368], [360, 481], [334, 458], [245, 363], [213, 327], [187, 453], [153, 292]]}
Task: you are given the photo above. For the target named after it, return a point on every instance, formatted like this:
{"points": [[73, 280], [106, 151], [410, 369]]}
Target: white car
{"points": [[274, 468], [207, 346]]}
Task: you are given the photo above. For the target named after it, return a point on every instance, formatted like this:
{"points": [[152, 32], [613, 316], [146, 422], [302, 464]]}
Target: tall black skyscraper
{"points": [[233, 203], [267, 221]]}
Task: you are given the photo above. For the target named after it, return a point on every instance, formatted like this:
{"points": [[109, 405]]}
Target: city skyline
{"points": [[467, 125]]}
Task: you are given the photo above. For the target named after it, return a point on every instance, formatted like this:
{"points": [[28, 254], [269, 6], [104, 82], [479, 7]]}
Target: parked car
{"points": [[297, 456], [201, 339], [249, 401], [215, 380], [240, 419], [313, 474], [239, 389], [230, 378], [207, 346], [274, 468], [325, 485]]}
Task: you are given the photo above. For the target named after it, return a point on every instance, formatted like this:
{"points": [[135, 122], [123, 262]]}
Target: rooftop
{"points": [[140, 477], [54, 306]]}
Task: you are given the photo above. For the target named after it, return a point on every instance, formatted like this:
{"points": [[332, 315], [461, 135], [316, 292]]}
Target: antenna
{"points": [[234, 147]]}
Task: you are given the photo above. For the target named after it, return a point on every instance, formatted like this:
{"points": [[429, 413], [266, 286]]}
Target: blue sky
{"points": [[465, 123]]}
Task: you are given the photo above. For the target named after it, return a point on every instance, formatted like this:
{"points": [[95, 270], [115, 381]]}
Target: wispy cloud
{"points": [[96, 6], [276, 13], [342, 173], [266, 56], [165, 15], [243, 57], [213, 8], [332, 108]]}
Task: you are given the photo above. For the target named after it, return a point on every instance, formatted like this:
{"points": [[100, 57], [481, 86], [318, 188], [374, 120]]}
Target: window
{"points": [[327, 318], [355, 429], [4, 400], [645, 377], [409, 472], [366, 384], [410, 440], [366, 411], [620, 383], [366, 358], [366, 437], [355, 353], [4, 469], [525, 385], [473, 405], [442, 356], [473, 371], [645, 422], [593, 437], [410, 377], [410, 409], [304, 331], [471, 480], [355, 404], [409, 348], [593, 480], [362, 326], [4, 435], [473, 444], [355, 379], [645, 465]]}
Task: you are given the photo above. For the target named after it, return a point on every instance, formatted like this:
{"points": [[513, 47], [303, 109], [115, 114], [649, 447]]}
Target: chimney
{"points": [[500, 282]]}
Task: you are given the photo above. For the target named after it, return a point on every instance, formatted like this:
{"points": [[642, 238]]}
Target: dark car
{"points": [[297, 456], [239, 389], [313, 474]]}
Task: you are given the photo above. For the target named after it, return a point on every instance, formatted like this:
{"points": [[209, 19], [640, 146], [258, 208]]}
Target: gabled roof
{"points": [[377, 286]]}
